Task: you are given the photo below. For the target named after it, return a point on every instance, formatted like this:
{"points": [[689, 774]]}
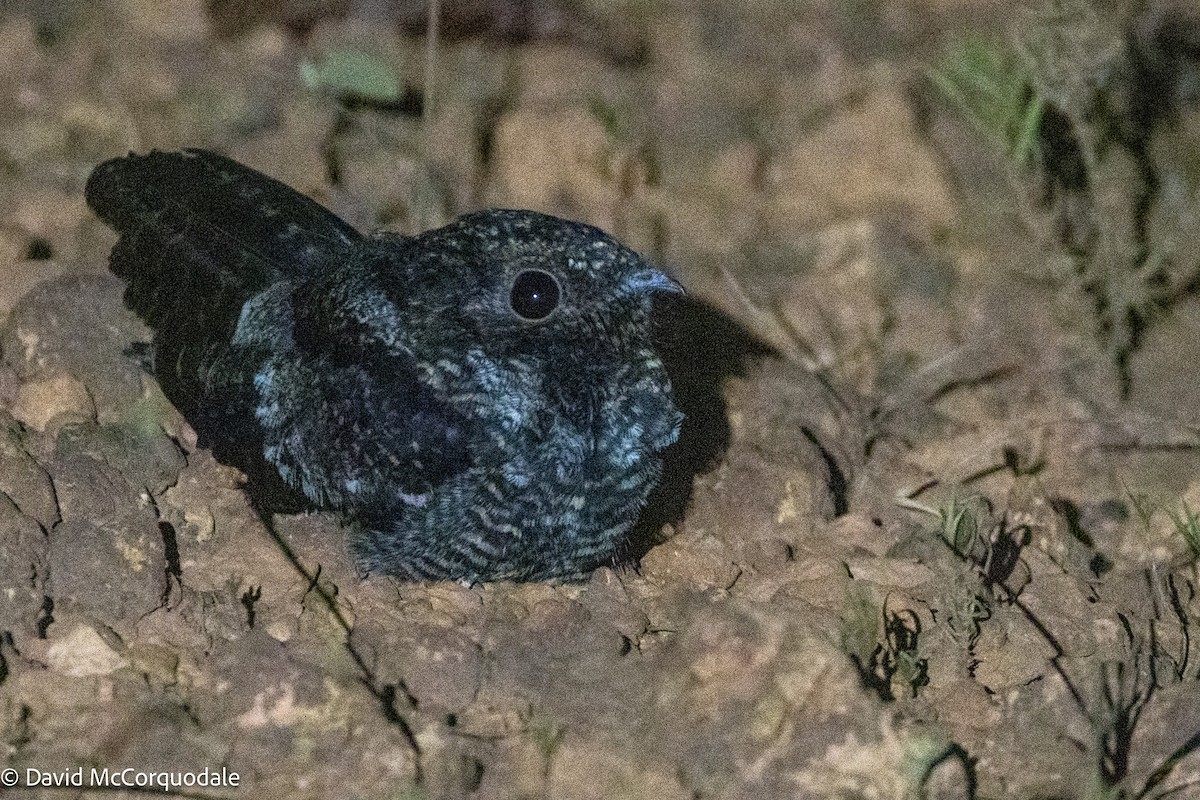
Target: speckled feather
{"points": [[391, 378]]}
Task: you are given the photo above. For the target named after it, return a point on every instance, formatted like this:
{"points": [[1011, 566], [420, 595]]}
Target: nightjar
{"points": [[480, 402]]}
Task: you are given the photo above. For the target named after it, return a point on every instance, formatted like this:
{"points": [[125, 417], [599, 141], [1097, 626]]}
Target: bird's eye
{"points": [[535, 294]]}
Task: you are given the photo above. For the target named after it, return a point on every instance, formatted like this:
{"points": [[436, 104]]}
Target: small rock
{"points": [[83, 653], [40, 401]]}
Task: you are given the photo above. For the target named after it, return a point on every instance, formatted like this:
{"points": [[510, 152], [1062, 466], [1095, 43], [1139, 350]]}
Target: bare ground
{"points": [[926, 535]]}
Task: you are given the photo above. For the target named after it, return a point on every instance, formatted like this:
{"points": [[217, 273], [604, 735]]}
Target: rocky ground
{"points": [[932, 531]]}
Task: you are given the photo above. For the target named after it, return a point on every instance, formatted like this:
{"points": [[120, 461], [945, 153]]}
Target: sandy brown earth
{"points": [[932, 529]]}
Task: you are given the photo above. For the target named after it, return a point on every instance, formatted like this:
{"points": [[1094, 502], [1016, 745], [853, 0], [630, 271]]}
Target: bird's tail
{"points": [[201, 234]]}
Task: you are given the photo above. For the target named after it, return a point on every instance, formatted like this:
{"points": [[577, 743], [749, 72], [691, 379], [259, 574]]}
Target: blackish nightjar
{"points": [[481, 402]]}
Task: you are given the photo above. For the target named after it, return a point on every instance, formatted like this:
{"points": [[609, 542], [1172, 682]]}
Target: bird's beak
{"points": [[651, 280]]}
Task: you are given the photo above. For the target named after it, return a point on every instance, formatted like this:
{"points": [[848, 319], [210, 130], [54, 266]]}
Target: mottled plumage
{"points": [[481, 401]]}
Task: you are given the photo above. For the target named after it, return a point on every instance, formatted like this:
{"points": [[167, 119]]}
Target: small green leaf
{"points": [[352, 72]]}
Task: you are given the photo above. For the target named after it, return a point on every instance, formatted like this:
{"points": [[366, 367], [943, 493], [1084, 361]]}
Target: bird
{"points": [[479, 402]]}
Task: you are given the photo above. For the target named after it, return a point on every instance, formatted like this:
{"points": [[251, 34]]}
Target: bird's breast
{"points": [[572, 427]]}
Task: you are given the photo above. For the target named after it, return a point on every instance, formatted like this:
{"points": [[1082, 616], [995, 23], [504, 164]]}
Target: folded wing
{"points": [[260, 340]]}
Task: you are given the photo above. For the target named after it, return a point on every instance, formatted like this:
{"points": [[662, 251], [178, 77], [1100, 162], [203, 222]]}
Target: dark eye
{"points": [[534, 294]]}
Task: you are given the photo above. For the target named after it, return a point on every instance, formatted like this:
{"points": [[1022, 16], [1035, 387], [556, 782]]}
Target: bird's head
{"points": [[529, 283]]}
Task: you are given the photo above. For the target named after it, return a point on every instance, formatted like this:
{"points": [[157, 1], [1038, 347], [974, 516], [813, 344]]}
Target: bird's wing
{"points": [[200, 235], [364, 435], [348, 413], [279, 366]]}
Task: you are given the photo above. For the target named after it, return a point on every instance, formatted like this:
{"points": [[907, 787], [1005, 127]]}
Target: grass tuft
{"points": [[993, 91]]}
